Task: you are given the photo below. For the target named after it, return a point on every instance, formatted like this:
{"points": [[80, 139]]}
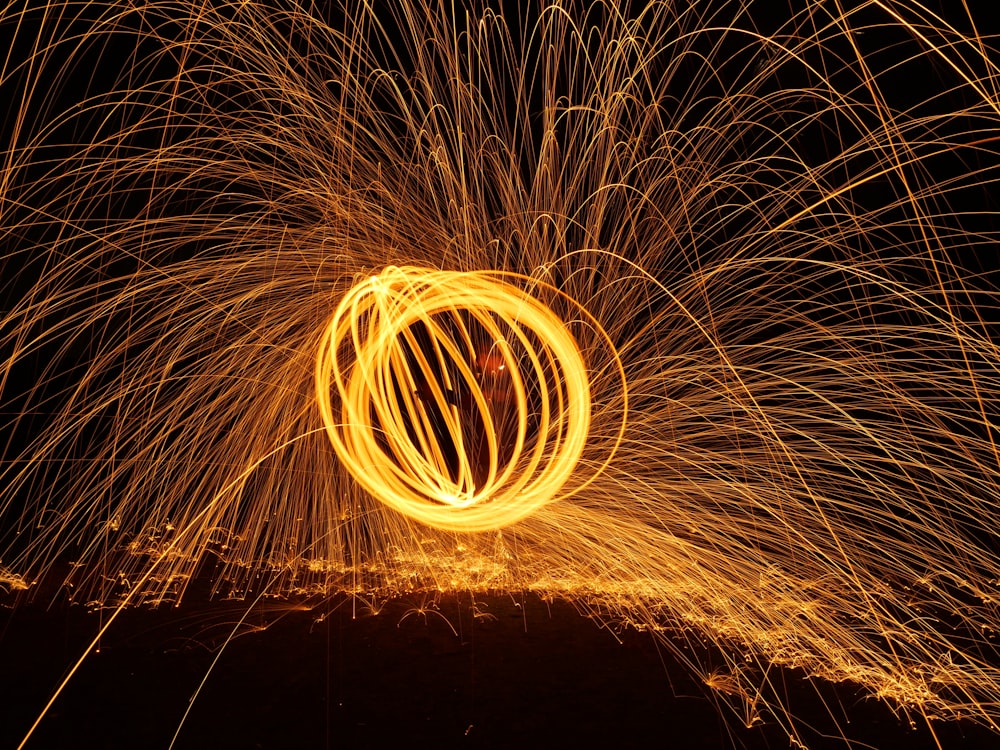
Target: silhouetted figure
{"points": [[496, 386]]}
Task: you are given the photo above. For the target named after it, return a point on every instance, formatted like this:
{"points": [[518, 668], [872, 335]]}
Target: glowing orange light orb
{"points": [[456, 398]]}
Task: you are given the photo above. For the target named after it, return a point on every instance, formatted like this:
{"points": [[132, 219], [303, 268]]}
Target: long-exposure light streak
{"points": [[386, 370], [684, 312]]}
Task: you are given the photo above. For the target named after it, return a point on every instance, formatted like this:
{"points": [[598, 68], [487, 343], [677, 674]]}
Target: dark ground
{"points": [[530, 674]]}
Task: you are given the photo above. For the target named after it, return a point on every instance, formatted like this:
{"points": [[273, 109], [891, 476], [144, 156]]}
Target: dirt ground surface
{"points": [[494, 672]]}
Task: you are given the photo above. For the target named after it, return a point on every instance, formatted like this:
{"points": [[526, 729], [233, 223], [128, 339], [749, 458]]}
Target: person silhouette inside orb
{"points": [[492, 378]]}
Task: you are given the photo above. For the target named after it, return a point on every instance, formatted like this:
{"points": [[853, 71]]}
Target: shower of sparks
{"points": [[704, 338]]}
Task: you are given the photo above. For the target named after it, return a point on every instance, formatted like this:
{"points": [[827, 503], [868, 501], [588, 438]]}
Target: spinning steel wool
{"points": [[681, 312]]}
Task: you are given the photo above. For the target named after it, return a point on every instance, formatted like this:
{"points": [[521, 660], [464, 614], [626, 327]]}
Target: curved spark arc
{"points": [[772, 238]]}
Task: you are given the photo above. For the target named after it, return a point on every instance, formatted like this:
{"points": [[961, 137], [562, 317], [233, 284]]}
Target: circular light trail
{"points": [[456, 398]]}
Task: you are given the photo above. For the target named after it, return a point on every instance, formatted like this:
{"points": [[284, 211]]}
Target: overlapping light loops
{"points": [[406, 404]]}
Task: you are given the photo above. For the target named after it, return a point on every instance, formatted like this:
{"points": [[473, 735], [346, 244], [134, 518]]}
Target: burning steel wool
{"points": [[685, 313], [436, 418]]}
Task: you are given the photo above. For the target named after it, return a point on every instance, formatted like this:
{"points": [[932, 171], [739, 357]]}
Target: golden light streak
{"points": [[686, 313], [498, 382]]}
